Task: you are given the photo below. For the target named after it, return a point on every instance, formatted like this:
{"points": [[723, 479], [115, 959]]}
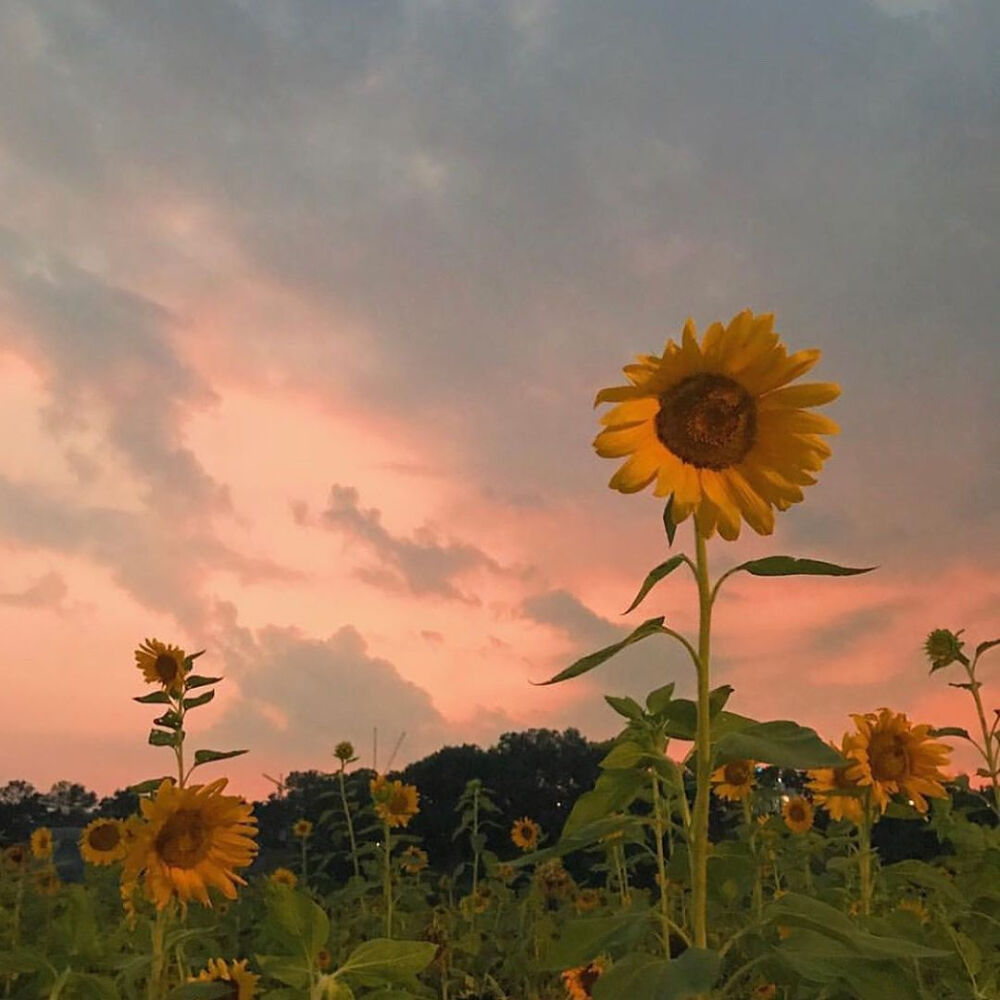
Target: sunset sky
{"points": [[304, 304]]}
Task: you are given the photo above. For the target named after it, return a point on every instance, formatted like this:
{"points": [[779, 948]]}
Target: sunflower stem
{"points": [[388, 880], [865, 857], [699, 825], [661, 868], [989, 747]]}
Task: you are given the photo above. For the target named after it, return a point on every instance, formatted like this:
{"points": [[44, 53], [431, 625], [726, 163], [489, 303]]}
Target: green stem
{"points": [[699, 829], [661, 868], [350, 824], [155, 987], [989, 743], [475, 856], [758, 887], [865, 857], [305, 862], [388, 881]]}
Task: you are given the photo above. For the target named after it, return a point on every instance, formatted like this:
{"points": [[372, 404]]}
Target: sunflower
{"points": [[580, 981], [553, 880], [302, 828], [243, 984], [841, 804], [798, 814], [323, 959], [103, 841], [892, 756], [733, 781], [344, 751], [916, 907], [525, 833], [718, 426], [16, 856], [396, 803], [587, 900], [283, 876], [162, 664], [413, 860], [47, 881], [41, 842], [192, 838], [766, 991]]}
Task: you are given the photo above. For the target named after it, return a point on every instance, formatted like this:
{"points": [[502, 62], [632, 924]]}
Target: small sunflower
{"points": [[16, 856], [47, 881], [242, 982], [580, 981], [344, 751], [525, 834], [943, 647], [302, 828], [162, 664], [397, 803], [734, 781], [718, 426], [192, 838], [798, 814], [587, 900], [832, 790], [103, 841], [323, 959], [283, 876], [553, 880], [41, 843], [916, 907], [506, 872], [766, 991], [894, 757], [413, 860]]}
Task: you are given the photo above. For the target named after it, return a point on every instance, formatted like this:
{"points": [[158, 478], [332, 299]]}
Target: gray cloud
{"points": [[561, 610], [48, 591]]}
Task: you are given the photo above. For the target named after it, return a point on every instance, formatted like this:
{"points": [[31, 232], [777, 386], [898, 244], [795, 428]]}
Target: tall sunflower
{"points": [[797, 813], [41, 842], [718, 426], [832, 790], [162, 664], [103, 841], [733, 781], [192, 838], [525, 833], [242, 982], [396, 803], [892, 757]]}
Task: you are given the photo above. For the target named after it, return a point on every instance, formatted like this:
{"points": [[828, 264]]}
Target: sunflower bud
{"points": [[943, 647], [344, 751]]}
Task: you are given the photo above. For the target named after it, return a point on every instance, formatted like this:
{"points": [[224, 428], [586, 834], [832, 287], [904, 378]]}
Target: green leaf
{"points": [[681, 714], [23, 960], [627, 707], [143, 787], [951, 731], [158, 738], [286, 970], [657, 701], [669, 525], [612, 792], [303, 920], [154, 698], [643, 977], [207, 756], [781, 743], [581, 941], [201, 699], [199, 991], [382, 959], [791, 566], [169, 720], [625, 755], [587, 663], [654, 577], [196, 681], [983, 646]]}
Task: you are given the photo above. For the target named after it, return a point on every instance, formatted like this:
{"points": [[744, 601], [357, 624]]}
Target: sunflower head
{"points": [[413, 860], [916, 907], [525, 833], [553, 880], [41, 843], [192, 838], [943, 648], [302, 828], [47, 881], [579, 982], [832, 789], [587, 900], [283, 876], [797, 813], [734, 781], [893, 757], [16, 856], [718, 427], [242, 983], [344, 751], [162, 664], [323, 959], [396, 803], [765, 991], [103, 841]]}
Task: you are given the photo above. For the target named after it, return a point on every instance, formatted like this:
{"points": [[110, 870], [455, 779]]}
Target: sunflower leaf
{"points": [[587, 663], [158, 738], [201, 699], [154, 698], [193, 656], [654, 577], [197, 681], [983, 646], [169, 720], [792, 566], [644, 977], [951, 731], [781, 743], [199, 991], [207, 756], [628, 707], [144, 787], [669, 525]]}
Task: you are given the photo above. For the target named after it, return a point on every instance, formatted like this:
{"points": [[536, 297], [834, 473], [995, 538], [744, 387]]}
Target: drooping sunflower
{"points": [[302, 828], [241, 980], [579, 982], [192, 838], [162, 664], [733, 781], [892, 757], [397, 803], [718, 426], [103, 841], [41, 842], [832, 790], [413, 860], [525, 833], [797, 813], [283, 876]]}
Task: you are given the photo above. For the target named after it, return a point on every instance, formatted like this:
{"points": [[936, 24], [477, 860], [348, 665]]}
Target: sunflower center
{"points": [[183, 841], [104, 837], [707, 420], [888, 757], [737, 772], [166, 668], [797, 812]]}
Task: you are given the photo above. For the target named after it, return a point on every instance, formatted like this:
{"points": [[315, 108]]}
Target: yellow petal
{"points": [[795, 422], [756, 511], [773, 371], [796, 396], [632, 411], [620, 441], [637, 473], [713, 486]]}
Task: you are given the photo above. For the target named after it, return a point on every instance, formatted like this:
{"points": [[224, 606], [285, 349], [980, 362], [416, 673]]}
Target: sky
{"points": [[303, 307]]}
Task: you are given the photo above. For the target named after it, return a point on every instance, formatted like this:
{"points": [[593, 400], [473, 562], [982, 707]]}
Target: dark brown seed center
{"points": [[707, 420], [166, 668], [182, 842], [104, 837], [888, 758], [737, 773]]}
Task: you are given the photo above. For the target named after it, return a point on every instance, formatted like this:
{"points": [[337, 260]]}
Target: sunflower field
{"points": [[685, 871]]}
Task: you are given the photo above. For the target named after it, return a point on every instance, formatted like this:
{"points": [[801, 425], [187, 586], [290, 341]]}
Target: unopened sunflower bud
{"points": [[344, 751], [943, 647]]}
